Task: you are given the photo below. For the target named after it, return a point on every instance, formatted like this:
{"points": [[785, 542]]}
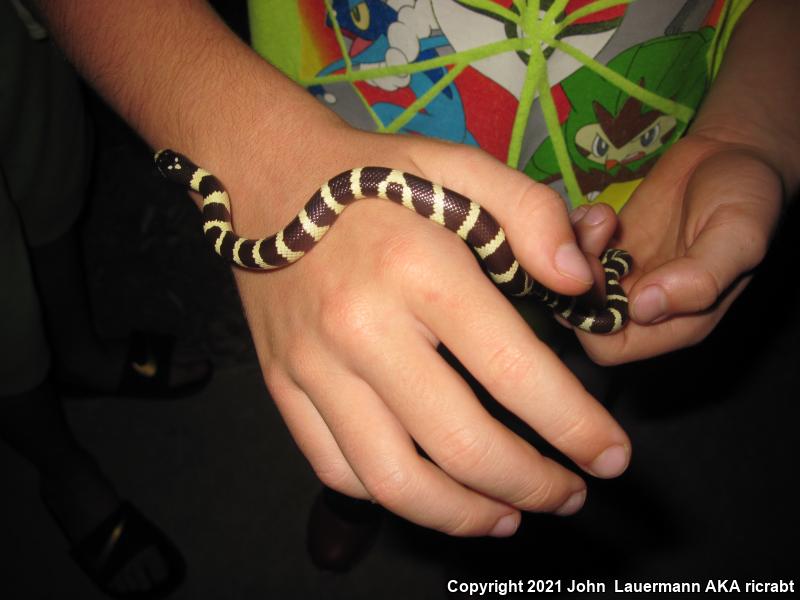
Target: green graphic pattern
{"points": [[540, 35]]}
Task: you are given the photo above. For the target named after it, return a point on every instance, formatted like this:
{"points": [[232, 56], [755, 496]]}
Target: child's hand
{"points": [[347, 340], [696, 227], [347, 336], [703, 217]]}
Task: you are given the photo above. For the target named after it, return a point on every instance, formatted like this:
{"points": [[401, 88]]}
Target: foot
{"points": [[127, 556], [124, 554]]}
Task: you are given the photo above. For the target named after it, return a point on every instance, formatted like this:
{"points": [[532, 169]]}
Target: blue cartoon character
{"points": [[395, 34]]}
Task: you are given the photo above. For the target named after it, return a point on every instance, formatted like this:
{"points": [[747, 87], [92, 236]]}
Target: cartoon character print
{"points": [[469, 27], [395, 33], [634, 136], [479, 107], [614, 139]]}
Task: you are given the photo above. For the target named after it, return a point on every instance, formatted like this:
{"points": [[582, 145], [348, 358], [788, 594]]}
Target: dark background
{"points": [[709, 492]]}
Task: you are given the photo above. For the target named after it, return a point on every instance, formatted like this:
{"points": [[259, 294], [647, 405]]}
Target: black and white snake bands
{"points": [[448, 208]]}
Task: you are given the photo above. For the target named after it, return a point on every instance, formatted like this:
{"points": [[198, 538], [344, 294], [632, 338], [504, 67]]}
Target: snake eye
{"points": [[360, 16], [648, 136], [599, 146]]}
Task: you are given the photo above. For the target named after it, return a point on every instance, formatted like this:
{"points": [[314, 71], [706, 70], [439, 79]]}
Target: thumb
{"points": [[737, 200], [533, 216]]}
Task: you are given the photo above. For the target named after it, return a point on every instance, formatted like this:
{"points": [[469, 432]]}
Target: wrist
{"points": [[755, 94]]}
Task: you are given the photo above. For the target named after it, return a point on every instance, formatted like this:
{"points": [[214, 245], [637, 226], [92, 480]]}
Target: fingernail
{"points": [[595, 216], [611, 462], [571, 263], [572, 505], [578, 214], [650, 304], [506, 526]]}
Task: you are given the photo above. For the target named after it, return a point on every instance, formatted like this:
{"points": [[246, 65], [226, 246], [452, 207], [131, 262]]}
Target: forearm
{"points": [[755, 98], [182, 79]]}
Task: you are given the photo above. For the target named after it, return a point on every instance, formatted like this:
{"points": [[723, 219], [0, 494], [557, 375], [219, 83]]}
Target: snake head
{"points": [[173, 166]]}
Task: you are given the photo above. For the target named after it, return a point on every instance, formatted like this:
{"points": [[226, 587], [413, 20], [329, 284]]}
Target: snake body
{"points": [[450, 209]]}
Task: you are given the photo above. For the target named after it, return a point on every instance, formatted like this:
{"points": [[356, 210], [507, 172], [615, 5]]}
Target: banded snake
{"points": [[448, 208]]}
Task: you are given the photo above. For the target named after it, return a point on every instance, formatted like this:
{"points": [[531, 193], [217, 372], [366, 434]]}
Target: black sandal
{"points": [[118, 540]]}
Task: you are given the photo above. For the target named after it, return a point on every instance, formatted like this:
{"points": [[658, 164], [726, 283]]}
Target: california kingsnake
{"points": [[448, 208]]}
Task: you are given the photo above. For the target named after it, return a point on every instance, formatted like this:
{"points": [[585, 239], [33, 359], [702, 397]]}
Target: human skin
{"points": [[702, 219], [347, 337]]}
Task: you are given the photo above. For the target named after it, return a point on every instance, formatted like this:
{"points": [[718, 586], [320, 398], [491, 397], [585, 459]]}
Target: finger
{"points": [[395, 475], [497, 346], [595, 297], [594, 225], [533, 216], [731, 240], [689, 284], [639, 342], [313, 437], [443, 415]]}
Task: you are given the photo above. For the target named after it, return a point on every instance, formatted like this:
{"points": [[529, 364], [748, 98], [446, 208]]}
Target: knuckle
{"points": [[509, 366], [462, 524], [297, 353], [536, 199], [541, 209], [278, 381], [399, 256], [303, 360], [409, 261], [298, 356], [337, 475], [347, 315], [574, 430], [754, 245], [393, 487], [464, 449], [539, 496], [748, 236], [405, 257], [707, 288]]}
